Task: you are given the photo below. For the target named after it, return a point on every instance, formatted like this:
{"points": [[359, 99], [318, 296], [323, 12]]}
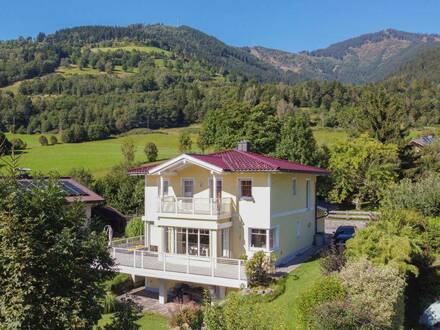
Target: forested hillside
{"points": [[90, 82]]}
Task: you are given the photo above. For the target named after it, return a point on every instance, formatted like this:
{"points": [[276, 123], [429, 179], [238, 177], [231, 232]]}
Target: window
{"points": [[197, 241], [308, 194], [258, 238], [273, 238], [188, 187], [166, 184], [246, 188], [294, 186]]}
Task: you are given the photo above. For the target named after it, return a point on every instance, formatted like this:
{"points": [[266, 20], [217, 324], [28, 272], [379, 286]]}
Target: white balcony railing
{"points": [[226, 268], [195, 206]]}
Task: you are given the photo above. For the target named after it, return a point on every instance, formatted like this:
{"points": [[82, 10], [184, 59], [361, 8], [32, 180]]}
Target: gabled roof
{"points": [[236, 161]]}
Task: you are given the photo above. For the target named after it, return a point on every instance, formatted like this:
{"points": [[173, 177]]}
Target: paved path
{"points": [[148, 300], [296, 261]]}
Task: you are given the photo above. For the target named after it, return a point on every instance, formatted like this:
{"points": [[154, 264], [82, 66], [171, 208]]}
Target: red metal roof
{"points": [[242, 161]]}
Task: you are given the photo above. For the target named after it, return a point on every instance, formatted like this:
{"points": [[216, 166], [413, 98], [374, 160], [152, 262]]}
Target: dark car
{"points": [[343, 234]]}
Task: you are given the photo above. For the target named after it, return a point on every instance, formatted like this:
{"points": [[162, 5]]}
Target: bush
{"points": [[18, 144], [120, 284], [135, 227], [110, 304], [188, 317], [335, 315], [83, 176], [53, 140], [259, 268], [43, 140], [376, 293], [126, 317], [332, 260], [151, 152], [325, 290]]}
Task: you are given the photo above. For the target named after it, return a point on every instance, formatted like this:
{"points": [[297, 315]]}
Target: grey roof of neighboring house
{"points": [[423, 141]]}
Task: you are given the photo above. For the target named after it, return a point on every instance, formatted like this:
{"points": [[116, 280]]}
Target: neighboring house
{"points": [[203, 213], [422, 142], [74, 192]]}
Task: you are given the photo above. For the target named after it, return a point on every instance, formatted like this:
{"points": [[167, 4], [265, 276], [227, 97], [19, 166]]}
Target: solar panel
{"points": [[65, 186]]}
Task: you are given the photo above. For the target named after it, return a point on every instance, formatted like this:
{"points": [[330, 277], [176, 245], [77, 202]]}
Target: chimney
{"points": [[243, 145]]}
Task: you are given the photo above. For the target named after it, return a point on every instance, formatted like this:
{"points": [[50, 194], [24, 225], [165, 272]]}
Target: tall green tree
{"points": [[383, 115], [362, 169], [51, 267], [128, 150], [151, 151], [185, 142], [297, 142]]}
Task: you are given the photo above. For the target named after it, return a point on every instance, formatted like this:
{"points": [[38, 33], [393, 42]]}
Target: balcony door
{"points": [[188, 188], [219, 188]]}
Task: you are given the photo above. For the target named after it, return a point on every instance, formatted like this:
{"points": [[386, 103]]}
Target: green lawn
{"points": [[149, 321], [298, 281], [145, 49], [329, 136], [97, 156]]}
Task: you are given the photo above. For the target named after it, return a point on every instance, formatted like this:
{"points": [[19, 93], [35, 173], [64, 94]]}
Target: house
{"points": [[74, 192], [203, 213], [422, 142]]}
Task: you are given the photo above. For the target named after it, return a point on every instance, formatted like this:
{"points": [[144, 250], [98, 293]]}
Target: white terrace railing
{"points": [[233, 269], [196, 206], [135, 242], [353, 215]]}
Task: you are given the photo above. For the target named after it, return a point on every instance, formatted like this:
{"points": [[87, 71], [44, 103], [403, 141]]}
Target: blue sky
{"points": [[290, 25]]}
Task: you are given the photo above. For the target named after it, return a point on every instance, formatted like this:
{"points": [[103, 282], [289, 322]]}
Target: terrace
{"points": [[132, 257]]}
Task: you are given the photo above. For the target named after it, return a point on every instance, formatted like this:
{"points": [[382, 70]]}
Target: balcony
{"points": [[187, 206], [132, 257]]}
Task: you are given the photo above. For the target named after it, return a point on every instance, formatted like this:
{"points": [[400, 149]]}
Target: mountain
{"points": [[367, 58]]}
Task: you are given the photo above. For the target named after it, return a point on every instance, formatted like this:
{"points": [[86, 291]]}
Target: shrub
{"points": [[43, 140], [376, 292], [185, 142], [332, 260], [18, 144], [126, 317], [326, 289], [259, 268], [83, 176], [135, 227], [53, 140], [110, 304], [188, 317], [151, 152], [120, 284], [335, 315]]}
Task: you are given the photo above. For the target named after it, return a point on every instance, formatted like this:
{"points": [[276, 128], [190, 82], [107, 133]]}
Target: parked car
{"points": [[343, 234]]}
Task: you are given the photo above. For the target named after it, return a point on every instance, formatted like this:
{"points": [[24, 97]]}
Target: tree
{"points": [[261, 129], [52, 267], [185, 142], [128, 150], [362, 169], [43, 140], [83, 176], [97, 132], [297, 142], [151, 152], [109, 67], [383, 115]]}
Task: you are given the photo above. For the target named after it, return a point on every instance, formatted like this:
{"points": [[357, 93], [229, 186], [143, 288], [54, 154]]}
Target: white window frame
{"points": [[294, 185], [246, 198], [182, 185], [255, 248]]}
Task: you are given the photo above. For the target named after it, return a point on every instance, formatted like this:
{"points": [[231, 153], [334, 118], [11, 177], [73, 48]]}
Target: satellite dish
{"points": [[109, 231]]}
